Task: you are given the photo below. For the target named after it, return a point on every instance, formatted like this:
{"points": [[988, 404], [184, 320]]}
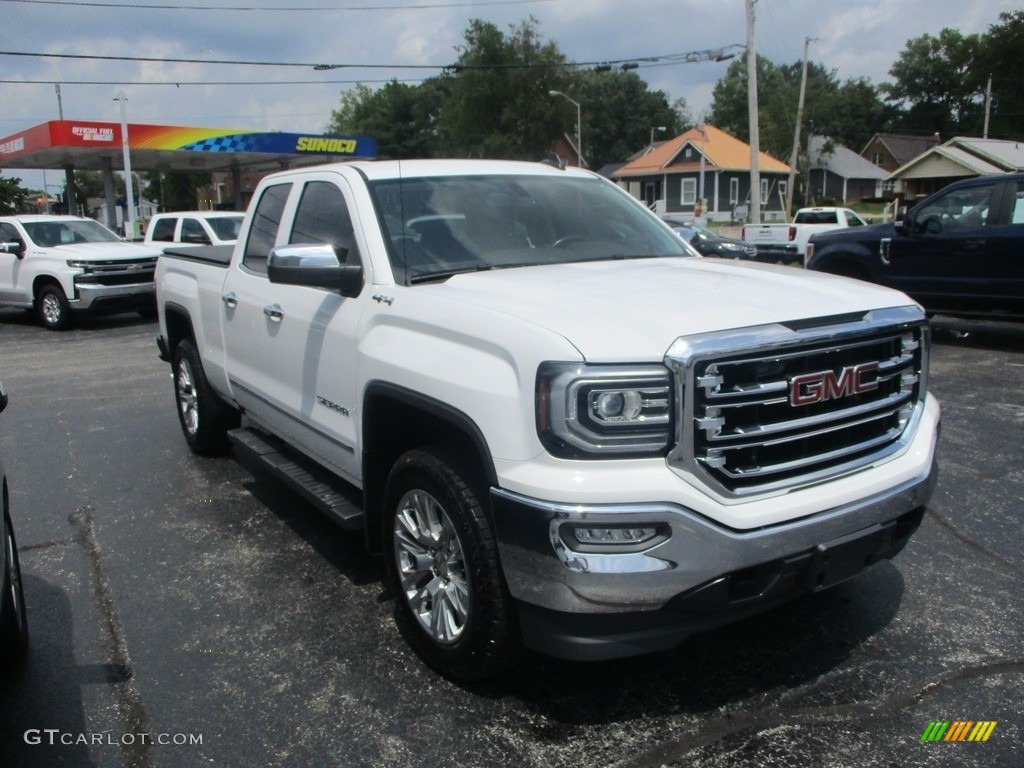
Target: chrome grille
{"points": [[120, 272], [776, 406]]}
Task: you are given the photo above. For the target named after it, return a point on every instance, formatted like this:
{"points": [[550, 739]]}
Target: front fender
{"points": [[844, 257]]}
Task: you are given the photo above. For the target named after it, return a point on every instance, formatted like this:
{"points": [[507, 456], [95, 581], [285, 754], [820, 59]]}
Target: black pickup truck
{"points": [[959, 252]]}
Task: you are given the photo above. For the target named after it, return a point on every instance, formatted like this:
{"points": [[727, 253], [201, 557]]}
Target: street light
{"points": [[129, 193], [579, 140]]}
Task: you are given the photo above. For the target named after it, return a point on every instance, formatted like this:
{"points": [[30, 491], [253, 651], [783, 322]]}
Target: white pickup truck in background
{"points": [[787, 242], [60, 265], [561, 426], [195, 227]]}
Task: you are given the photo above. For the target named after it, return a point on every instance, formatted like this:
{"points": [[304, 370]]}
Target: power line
{"points": [[180, 83], [392, 7], [714, 54]]}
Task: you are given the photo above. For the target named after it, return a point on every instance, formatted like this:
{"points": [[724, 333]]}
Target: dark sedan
{"points": [[707, 242]]}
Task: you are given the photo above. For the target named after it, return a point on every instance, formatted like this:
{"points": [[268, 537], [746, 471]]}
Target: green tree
{"points": [[497, 102], [403, 118], [174, 190], [938, 85], [1000, 57], [619, 112], [849, 113], [12, 195]]}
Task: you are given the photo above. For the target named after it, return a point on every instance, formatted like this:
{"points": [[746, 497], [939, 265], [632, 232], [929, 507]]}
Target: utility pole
{"points": [[129, 225], [988, 106], [796, 133], [755, 136]]}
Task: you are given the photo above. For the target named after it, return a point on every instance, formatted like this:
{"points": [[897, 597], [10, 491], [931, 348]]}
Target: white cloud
{"points": [[858, 39]]}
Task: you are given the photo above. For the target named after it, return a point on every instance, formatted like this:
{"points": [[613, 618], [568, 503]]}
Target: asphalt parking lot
{"points": [[186, 613]]}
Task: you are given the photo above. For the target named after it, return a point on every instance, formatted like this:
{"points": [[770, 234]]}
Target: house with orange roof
{"points": [[704, 162]]}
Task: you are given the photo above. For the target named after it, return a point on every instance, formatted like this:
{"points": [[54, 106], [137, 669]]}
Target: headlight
{"points": [[604, 411], [75, 264]]}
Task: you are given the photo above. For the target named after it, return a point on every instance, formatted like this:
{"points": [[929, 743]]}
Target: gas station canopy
{"points": [[91, 145]]}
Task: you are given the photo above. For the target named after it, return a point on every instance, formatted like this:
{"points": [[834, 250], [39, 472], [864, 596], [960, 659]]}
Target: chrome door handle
{"points": [[230, 300], [274, 312]]}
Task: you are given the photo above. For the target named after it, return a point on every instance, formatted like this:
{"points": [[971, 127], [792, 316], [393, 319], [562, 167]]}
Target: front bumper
{"points": [[97, 297], [583, 605]]}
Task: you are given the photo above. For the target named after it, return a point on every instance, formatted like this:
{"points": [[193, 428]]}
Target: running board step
{"points": [[331, 495]]}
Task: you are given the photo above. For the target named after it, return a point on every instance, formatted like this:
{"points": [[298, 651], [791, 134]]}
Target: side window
{"points": [[1017, 214], [192, 232], [955, 211], [8, 234], [265, 222], [323, 217], [853, 220], [163, 229]]}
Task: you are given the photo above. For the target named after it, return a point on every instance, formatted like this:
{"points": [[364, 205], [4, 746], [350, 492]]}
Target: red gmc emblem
{"points": [[818, 387]]}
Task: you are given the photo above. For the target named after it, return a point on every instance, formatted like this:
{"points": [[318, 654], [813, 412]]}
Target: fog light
{"points": [[614, 535]]}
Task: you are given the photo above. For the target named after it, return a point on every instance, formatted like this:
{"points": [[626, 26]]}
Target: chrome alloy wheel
{"points": [[431, 567], [51, 309], [188, 397]]}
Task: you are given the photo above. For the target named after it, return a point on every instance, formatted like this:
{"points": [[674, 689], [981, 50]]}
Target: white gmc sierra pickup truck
{"points": [[562, 427]]}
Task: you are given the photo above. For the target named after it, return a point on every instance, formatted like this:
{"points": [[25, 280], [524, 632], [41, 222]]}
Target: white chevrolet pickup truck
{"points": [[60, 265], [788, 242], [562, 427]]}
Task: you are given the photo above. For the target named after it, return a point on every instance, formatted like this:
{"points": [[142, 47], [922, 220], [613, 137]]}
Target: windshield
{"points": [[49, 234], [225, 227], [437, 227]]}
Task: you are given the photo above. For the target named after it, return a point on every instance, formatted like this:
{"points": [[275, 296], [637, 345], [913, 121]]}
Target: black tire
{"points": [[205, 419], [53, 309], [466, 627], [14, 629]]}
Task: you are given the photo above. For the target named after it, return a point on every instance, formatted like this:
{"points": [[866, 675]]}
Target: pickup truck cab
{"points": [[195, 227], [560, 425], [958, 252], [59, 265], [787, 242]]}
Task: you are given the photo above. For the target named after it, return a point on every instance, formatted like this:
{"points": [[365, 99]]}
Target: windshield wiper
{"points": [[430, 277]]}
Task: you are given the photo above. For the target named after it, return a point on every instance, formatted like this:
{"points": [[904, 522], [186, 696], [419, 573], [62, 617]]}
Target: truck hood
{"points": [[116, 251], [626, 311]]}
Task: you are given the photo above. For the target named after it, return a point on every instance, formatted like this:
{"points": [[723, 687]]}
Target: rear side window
{"points": [[323, 217], [163, 229], [265, 222]]}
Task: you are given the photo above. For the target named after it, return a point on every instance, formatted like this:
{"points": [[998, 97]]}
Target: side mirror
{"points": [[3, 397], [900, 223], [314, 265], [15, 248]]}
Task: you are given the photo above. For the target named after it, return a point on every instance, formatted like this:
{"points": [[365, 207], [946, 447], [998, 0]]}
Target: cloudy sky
{"points": [[404, 39]]}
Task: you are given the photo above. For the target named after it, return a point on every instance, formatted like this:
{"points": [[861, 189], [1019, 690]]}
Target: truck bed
{"points": [[216, 255]]}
